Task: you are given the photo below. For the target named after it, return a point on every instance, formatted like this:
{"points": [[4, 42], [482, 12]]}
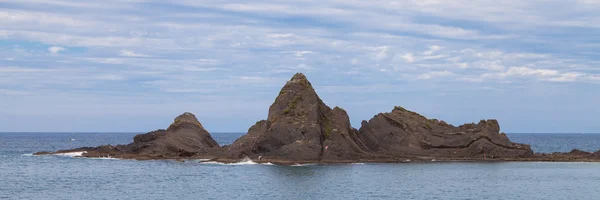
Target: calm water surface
{"points": [[23, 176]]}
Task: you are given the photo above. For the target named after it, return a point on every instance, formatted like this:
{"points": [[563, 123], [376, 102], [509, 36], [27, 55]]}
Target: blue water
{"points": [[23, 176]]}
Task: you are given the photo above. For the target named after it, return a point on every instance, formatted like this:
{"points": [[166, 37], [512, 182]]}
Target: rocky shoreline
{"points": [[300, 128]]}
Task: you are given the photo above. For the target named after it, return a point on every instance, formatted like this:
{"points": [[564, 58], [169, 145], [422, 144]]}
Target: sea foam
{"points": [[303, 165], [71, 154], [246, 161]]}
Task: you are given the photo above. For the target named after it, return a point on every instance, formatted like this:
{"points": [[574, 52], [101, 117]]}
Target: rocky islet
{"points": [[300, 128]]}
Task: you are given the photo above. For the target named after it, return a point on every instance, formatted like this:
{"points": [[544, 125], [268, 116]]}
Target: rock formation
{"points": [[185, 137], [300, 128], [406, 133], [574, 155]]}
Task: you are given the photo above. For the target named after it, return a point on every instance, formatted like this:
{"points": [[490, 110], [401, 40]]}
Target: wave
{"points": [[196, 160], [28, 154], [246, 161], [303, 165], [104, 158], [71, 154]]}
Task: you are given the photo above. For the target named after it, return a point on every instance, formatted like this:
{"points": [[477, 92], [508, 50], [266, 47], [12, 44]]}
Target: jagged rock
{"points": [[300, 127], [406, 133], [185, 137]]}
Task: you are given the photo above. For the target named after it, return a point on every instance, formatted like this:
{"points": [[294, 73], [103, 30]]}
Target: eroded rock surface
{"points": [[300, 127], [406, 133], [185, 137]]}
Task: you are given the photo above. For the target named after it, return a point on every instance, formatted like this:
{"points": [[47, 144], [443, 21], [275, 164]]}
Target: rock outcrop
{"points": [[403, 133], [574, 155], [300, 128], [185, 137]]}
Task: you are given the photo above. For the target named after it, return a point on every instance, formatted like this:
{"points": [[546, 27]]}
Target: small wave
{"points": [[246, 161], [358, 163], [28, 154], [196, 160], [71, 154], [302, 165], [105, 158]]}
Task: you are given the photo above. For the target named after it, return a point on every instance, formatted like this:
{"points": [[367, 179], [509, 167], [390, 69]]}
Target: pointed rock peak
{"points": [[296, 97], [186, 117], [299, 78]]}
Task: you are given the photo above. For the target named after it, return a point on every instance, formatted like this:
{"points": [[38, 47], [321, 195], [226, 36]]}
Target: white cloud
{"points": [[56, 49], [435, 74], [432, 49], [526, 71], [302, 53], [408, 58], [110, 77], [127, 53], [566, 77], [538, 74], [463, 65], [379, 53], [494, 65]]}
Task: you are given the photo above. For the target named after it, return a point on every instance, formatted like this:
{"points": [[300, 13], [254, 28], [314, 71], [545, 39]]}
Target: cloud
{"points": [[566, 77], [127, 53], [539, 74], [55, 49], [302, 53], [110, 77], [435, 74], [113, 49], [526, 71], [432, 49], [379, 53], [408, 58]]}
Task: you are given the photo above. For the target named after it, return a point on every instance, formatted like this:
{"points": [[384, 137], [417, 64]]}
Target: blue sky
{"points": [[133, 65]]}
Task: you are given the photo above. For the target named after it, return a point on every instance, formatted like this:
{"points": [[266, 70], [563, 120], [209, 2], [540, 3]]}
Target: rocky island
{"points": [[300, 128]]}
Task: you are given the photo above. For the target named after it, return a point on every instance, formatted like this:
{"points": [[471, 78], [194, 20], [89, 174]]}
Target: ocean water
{"points": [[23, 176]]}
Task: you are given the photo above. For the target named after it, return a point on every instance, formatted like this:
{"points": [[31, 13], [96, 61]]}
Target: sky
{"points": [[134, 65]]}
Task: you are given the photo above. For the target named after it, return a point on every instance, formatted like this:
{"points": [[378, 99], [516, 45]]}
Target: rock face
{"points": [[185, 137], [406, 133], [300, 127]]}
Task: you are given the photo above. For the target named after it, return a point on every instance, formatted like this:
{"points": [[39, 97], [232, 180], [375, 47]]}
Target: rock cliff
{"points": [[300, 127]]}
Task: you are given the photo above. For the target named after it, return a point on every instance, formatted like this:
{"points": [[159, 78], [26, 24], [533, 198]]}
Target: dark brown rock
{"points": [[406, 133], [300, 127], [185, 137]]}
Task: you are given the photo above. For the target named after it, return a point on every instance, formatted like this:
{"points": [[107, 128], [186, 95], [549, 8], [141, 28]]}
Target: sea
{"points": [[24, 176]]}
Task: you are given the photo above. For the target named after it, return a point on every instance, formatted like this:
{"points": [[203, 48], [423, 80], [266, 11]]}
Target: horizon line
{"points": [[245, 132]]}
